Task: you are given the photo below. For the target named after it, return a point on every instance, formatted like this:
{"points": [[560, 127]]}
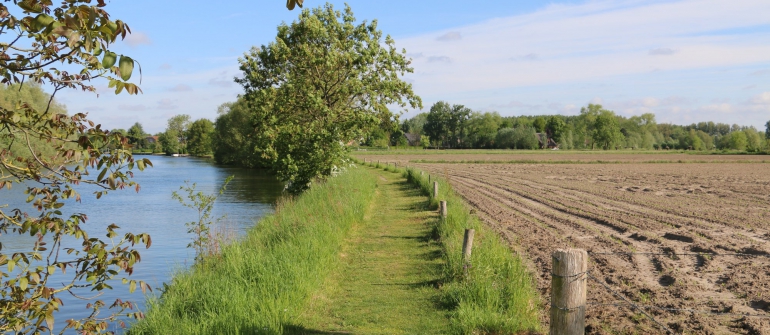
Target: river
{"points": [[249, 196]]}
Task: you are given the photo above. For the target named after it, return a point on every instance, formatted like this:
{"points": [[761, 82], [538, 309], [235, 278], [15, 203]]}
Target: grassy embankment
{"points": [[261, 284], [353, 256], [390, 269], [498, 295]]}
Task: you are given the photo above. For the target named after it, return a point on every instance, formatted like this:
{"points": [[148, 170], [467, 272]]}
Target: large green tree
{"points": [[323, 83], [137, 136], [607, 130], [64, 46], [199, 137]]}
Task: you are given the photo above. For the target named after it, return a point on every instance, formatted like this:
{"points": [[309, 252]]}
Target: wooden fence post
{"points": [[468, 244], [442, 208], [435, 189], [421, 173], [467, 248], [568, 291]]}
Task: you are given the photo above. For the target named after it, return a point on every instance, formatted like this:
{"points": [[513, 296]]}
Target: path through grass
{"points": [[387, 280]]}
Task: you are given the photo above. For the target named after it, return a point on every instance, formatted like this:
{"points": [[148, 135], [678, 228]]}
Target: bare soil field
{"points": [[648, 228]]}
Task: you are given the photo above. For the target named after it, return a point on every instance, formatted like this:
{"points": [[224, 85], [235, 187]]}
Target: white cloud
{"points": [[167, 104], [761, 99], [450, 36], [132, 108], [221, 80], [136, 39], [439, 59], [528, 57], [591, 41], [180, 88], [661, 52]]}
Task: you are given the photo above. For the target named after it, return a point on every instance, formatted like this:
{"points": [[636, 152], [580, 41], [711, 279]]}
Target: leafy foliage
{"points": [[203, 204], [136, 136], [50, 153], [199, 137], [233, 138], [324, 82], [446, 125]]}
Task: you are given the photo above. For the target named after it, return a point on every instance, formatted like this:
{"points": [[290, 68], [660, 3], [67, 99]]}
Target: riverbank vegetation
{"points": [[261, 283]]}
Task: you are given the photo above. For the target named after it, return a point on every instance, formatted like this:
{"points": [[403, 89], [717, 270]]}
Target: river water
{"points": [[250, 196]]}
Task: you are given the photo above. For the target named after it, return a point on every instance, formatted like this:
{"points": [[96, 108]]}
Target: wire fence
{"points": [[643, 309]]}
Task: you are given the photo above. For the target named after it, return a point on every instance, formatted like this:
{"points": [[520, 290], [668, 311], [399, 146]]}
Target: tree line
{"points": [[456, 126]]}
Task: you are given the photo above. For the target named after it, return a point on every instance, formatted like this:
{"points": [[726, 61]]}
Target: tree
{"points": [[606, 130], [436, 125], [169, 141], [137, 136], [539, 124], [767, 130], [178, 125], [323, 83], [39, 36], [233, 140], [555, 128], [199, 137]]}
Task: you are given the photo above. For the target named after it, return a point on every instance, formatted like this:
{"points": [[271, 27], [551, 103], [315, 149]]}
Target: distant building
{"points": [[151, 139], [545, 142], [413, 139]]}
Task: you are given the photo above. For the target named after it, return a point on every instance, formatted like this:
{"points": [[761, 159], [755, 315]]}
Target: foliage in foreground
{"points": [[50, 153], [260, 284], [498, 295], [324, 82]]}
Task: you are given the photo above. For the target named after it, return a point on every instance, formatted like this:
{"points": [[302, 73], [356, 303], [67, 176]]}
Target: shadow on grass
{"points": [[300, 330]]}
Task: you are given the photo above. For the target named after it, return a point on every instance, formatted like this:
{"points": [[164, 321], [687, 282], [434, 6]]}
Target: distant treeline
{"points": [[456, 126], [230, 139]]}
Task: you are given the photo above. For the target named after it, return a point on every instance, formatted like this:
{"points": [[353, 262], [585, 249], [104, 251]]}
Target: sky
{"points": [[686, 61]]}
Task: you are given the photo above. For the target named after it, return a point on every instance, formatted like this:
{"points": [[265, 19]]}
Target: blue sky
{"points": [[686, 61]]}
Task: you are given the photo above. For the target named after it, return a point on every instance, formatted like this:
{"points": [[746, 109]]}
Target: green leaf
{"points": [[11, 265], [101, 175], [41, 21], [109, 59], [126, 66], [132, 286], [23, 281], [97, 51]]}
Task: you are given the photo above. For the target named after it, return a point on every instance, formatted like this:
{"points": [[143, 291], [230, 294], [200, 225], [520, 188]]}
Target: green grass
{"points": [[387, 282], [498, 296], [261, 284]]}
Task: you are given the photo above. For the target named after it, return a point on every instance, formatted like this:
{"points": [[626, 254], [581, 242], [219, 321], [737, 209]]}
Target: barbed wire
{"points": [[677, 254], [630, 303], [688, 310]]}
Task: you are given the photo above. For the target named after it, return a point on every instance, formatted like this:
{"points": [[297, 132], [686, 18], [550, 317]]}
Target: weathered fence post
{"points": [[442, 208], [421, 173], [467, 248], [568, 291], [435, 189]]}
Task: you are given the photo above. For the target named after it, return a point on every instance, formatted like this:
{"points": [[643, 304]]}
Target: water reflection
{"points": [[248, 197]]}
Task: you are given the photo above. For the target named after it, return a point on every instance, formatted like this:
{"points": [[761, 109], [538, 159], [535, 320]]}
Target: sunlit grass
{"points": [[260, 284], [498, 295]]}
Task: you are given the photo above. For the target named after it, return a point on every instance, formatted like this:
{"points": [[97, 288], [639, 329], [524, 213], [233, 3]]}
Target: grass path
{"points": [[390, 268]]}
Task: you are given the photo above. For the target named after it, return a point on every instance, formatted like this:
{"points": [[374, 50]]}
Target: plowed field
{"points": [[648, 227]]}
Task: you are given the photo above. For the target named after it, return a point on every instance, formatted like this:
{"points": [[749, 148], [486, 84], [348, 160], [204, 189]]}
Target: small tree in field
{"points": [[323, 83]]}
